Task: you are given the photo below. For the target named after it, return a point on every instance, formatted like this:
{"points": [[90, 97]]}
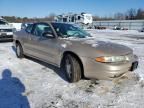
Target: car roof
{"points": [[50, 22]]}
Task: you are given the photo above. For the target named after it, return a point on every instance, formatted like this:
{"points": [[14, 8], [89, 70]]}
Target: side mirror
{"points": [[48, 34]]}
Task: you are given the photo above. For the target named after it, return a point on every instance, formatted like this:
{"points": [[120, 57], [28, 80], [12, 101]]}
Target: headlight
{"points": [[112, 59]]}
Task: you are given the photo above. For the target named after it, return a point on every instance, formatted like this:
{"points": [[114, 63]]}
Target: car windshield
{"points": [[2, 22], [69, 30]]}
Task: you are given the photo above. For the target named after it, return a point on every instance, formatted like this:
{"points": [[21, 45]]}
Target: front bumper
{"points": [[104, 71]]}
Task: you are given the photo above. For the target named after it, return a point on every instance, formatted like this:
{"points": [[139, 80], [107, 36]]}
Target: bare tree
{"points": [[96, 18], [119, 16], [52, 16], [140, 14], [131, 14]]}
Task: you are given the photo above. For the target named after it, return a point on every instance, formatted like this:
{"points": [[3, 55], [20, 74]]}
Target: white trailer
{"points": [[82, 18]]}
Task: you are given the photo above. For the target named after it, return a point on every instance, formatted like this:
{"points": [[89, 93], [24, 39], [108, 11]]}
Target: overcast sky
{"points": [[41, 8]]}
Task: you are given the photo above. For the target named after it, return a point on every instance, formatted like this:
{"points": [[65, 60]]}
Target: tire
{"points": [[72, 68], [19, 51]]}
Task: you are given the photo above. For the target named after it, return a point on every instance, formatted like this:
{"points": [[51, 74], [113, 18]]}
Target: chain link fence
{"points": [[127, 24]]}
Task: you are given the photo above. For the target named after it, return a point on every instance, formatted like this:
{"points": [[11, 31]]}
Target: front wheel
{"points": [[72, 68], [19, 51]]}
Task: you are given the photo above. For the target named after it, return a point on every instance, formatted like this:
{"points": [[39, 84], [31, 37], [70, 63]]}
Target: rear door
{"points": [[28, 49]]}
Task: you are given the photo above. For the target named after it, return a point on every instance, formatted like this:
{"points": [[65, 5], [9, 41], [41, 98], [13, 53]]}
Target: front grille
{"points": [[6, 30], [7, 36]]}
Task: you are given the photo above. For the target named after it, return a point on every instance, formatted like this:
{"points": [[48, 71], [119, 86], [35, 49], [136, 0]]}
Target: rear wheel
{"points": [[19, 50], [72, 68]]}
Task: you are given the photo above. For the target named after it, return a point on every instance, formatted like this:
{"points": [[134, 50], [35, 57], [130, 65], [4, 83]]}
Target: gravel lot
{"points": [[29, 83]]}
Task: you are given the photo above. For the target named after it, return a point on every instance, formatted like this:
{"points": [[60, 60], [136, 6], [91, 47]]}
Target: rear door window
{"points": [[29, 28]]}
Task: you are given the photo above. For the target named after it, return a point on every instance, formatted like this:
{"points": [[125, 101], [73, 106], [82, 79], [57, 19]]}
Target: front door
{"points": [[44, 47]]}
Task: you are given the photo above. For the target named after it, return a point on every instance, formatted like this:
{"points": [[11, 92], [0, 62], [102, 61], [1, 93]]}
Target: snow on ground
{"points": [[34, 84]]}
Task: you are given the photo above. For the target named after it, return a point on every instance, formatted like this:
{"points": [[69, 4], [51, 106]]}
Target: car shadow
{"points": [[11, 89], [59, 71]]}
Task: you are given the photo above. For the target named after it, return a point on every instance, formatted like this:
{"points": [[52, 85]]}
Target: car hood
{"points": [[6, 27], [93, 47]]}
